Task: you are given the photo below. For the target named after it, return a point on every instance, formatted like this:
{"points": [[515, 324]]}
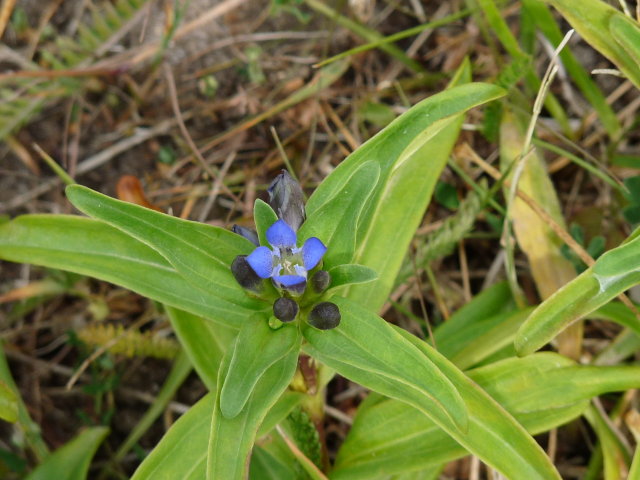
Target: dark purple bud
{"points": [[285, 309], [247, 233], [320, 281], [245, 275], [325, 316], [287, 200]]}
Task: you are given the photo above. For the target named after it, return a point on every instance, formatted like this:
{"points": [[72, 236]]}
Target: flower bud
{"points": [[285, 309], [245, 275], [247, 233], [325, 316], [320, 281], [287, 200]]}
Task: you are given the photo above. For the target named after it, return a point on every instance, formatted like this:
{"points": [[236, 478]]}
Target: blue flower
{"points": [[286, 264]]}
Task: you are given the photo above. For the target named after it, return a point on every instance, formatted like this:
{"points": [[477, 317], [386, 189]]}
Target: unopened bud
{"points": [[287, 200], [245, 275], [285, 309], [247, 233], [325, 316], [320, 281]]}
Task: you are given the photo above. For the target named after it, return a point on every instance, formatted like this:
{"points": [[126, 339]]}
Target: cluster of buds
{"points": [[294, 271]]}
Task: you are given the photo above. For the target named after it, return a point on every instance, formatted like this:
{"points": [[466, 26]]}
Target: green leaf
{"points": [[231, 439], [201, 253], [613, 273], [367, 350], [336, 221], [182, 452], [540, 15], [8, 403], [27, 427], [364, 342], [72, 460], [257, 348], [479, 328], [594, 21], [205, 343], [388, 437], [350, 273], [96, 249], [410, 152], [626, 32], [264, 216]]}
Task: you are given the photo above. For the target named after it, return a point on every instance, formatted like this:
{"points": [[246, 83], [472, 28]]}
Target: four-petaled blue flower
{"points": [[287, 265]]}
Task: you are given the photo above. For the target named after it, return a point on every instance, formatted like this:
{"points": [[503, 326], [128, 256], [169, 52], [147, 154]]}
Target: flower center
{"points": [[288, 261]]}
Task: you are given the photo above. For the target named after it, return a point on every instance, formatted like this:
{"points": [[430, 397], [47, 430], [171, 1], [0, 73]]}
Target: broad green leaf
{"points": [[201, 253], [627, 33], [269, 465], [93, 248], [367, 350], [8, 403], [336, 221], [410, 152], [476, 342], [350, 273], [489, 425], [257, 348], [264, 216], [479, 329], [388, 437], [182, 452], [231, 439], [72, 460], [205, 343], [592, 20], [613, 273]]}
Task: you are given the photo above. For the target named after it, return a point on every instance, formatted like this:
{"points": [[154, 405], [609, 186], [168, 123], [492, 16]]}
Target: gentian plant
{"points": [[267, 318]]}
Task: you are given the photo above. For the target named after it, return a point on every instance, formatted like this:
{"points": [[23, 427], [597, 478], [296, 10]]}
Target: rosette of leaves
{"points": [[365, 213]]}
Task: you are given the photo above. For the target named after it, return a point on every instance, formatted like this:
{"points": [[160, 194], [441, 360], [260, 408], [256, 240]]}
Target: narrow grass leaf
{"points": [[8, 403], [180, 369], [204, 342], [540, 15]]}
